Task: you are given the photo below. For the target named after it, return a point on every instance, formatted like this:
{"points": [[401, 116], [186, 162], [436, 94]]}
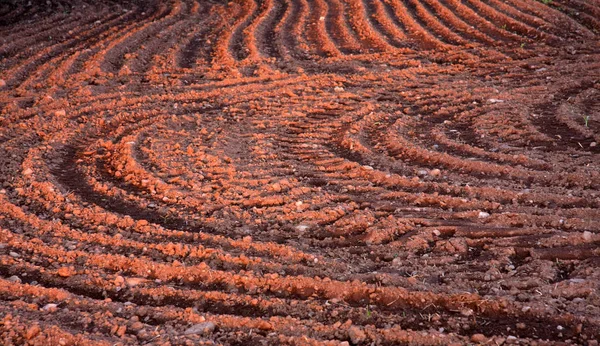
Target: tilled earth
{"points": [[295, 172]]}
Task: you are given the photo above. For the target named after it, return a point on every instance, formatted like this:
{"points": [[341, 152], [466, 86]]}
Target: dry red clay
{"points": [[300, 172]]}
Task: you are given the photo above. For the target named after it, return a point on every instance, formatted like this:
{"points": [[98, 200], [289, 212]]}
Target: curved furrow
{"points": [[85, 57], [292, 30], [24, 37], [19, 71], [553, 16], [384, 25], [270, 38], [41, 72], [416, 30], [227, 40], [508, 23], [339, 30], [580, 12], [196, 49], [453, 21], [302, 172], [527, 19], [118, 52], [363, 28], [156, 53], [92, 63], [317, 35], [470, 16], [238, 44]]}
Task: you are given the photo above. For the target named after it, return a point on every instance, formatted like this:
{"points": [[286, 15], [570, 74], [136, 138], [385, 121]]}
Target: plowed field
{"points": [[300, 172]]}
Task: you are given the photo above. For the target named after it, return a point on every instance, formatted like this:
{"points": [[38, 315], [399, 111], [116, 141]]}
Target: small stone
{"points": [[593, 144], [436, 232], [559, 327], [302, 228], [521, 325], [344, 343], [435, 172], [15, 278], [587, 235], [14, 254], [466, 312], [28, 171], [201, 328], [495, 101], [422, 172], [2, 83], [483, 215], [50, 307], [338, 89], [478, 338], [60, 113], [356, 335]]}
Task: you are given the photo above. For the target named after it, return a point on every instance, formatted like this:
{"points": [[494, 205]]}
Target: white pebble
{"points": [[483, 214]]}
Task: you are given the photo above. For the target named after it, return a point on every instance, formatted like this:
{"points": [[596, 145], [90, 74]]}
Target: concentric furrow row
{"points": [[302, 172]]}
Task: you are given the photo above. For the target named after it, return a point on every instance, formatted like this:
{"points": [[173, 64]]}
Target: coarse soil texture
{"points": [[300, 172]]}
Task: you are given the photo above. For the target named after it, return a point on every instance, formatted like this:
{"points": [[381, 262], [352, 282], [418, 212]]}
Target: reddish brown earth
{"points": [[370, 172]]}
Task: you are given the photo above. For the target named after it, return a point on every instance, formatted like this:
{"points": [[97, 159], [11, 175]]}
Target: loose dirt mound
{"points": [[300, 172]]}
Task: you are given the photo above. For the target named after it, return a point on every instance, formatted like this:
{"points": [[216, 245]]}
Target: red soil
{"points": [[373, 172]]}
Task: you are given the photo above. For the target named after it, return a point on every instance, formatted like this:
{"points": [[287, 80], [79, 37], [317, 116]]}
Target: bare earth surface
{"points": [[295, 172]]}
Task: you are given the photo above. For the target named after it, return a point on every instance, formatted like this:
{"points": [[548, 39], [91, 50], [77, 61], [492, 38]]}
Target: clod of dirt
{"points": [[479, 338], [32, 332], [201, 328], [2, 83], [64, 272], [132, 282], [356, 335]]}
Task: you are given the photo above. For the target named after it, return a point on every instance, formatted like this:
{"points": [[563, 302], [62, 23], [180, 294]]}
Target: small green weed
{"points": [[586, 119]]}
